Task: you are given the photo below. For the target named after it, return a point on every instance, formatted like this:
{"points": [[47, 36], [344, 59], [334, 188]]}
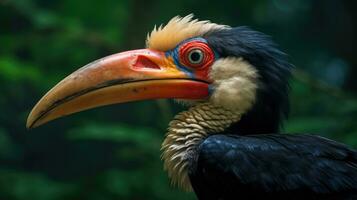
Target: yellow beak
{"points": [[123, 77]]}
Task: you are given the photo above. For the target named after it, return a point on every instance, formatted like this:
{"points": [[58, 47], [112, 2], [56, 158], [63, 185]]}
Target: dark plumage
{"points": [[274, 166]]}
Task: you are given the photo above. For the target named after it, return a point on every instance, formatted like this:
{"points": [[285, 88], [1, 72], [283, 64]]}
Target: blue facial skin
{"points": [[174, 53], [210, 89]]}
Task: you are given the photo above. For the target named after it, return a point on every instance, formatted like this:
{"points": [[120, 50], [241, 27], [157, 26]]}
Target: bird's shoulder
{"points": [[231, 146], [276, 163]]}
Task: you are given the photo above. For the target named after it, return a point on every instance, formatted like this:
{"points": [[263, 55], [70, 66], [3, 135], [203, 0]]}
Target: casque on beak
{"points": [[123, 77]]}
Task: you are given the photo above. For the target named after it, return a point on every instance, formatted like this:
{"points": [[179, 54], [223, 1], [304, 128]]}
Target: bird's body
{"points": [[227, 145], [274, 166], [202, 154]]}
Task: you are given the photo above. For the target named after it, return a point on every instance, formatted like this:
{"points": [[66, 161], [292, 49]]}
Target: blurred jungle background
{"points": [[114, 152]]}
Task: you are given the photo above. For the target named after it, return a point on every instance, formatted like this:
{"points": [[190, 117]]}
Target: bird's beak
{"points": [[123, 77]]}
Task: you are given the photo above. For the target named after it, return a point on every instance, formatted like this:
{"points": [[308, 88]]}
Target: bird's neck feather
{"points": [[186, 132]]}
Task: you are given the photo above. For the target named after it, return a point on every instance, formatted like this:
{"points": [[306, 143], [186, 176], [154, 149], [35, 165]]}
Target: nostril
{"points": [[144, 62]]}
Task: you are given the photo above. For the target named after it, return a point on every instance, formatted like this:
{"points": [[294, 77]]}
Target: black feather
{"points": [[274, 166], [272, 103]]}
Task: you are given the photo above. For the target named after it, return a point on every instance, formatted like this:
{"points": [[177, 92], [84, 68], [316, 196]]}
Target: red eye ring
{"points": [[196, 54]]}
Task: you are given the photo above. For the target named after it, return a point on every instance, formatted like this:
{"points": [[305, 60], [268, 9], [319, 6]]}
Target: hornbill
{"points": [[227, 144]]}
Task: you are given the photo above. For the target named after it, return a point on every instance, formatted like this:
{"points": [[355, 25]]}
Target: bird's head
{"points": [[195, 61]]}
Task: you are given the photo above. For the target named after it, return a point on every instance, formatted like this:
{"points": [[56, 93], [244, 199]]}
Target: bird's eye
{"points": [[196, 55]]}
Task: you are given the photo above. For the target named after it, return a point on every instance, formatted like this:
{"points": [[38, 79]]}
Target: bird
{"points": [[228, 143]]}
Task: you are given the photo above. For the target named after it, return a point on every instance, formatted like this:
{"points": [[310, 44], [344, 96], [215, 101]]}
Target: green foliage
{"points": [[118, 133], [23, 185], [114, 152]]}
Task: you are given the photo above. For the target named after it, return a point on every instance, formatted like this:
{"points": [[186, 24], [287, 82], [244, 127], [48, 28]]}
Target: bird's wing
{"points": [[274, 165]]}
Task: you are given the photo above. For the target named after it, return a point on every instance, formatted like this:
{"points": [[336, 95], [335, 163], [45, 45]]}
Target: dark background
{"points": [[114, 152]]}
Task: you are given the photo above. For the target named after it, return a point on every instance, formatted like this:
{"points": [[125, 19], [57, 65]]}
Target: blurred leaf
{"points": [[13, 70], [7, 148], [22, 186], [119, 132], [309, 124]]}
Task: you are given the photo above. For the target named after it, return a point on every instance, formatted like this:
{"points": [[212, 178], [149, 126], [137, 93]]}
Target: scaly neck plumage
{"points": [[186, 132]]}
